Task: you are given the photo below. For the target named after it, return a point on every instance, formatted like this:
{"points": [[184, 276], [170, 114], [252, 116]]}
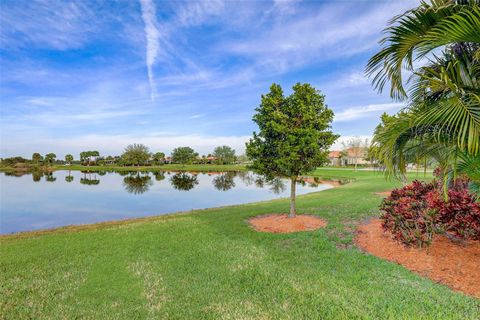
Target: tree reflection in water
{"points": [[49, 177], [159, 175], [276, 185], [69, 178], [184, 181], [89, 178], [137, 183], [224, 181], [37, 176]]}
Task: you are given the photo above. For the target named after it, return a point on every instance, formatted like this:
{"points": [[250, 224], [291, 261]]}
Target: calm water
{"points": [[38, 201]]}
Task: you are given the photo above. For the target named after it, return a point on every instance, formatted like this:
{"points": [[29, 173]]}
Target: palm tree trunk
{"points": [[293, 208]]}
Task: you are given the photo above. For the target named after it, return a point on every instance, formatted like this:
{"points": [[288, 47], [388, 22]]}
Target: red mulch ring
{"points": [[455, 265], [383, 193], [280, 223]]}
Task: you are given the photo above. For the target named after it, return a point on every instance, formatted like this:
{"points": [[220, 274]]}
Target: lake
{"points": [[40, 201]]}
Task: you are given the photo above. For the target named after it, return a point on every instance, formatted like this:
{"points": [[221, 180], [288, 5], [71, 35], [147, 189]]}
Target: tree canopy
{"points": [[50, 157], [184, 155], [158, 157], [69, 158], [294, 134], [37, 157], [224, 155], [136, 154], [87, 156]]}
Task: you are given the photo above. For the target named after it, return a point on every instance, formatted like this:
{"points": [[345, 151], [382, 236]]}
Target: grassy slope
{"points": [[211, 265]]}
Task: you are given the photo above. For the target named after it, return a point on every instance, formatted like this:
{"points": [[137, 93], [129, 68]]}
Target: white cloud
{"points": [[364, 111], [195, 13], [338, 145], [152, 35], [330, 33], [61, 26]]}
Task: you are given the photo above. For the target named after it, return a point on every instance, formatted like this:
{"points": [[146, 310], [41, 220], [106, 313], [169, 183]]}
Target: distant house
{"points": [[335, 158], [350, 156], [356, 156], [211, 159], [167, 160]]}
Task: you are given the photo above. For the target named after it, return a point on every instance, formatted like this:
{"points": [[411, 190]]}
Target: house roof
{"points": [[334, 154]]}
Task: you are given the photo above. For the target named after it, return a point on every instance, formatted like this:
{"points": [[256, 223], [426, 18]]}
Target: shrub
{"points": [[407, 216], [415, 212], [459, 213]]}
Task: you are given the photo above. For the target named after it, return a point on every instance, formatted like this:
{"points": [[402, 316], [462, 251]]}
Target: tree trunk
{"points": [[293, 209]]}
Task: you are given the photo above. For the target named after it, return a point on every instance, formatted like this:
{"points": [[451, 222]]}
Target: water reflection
{"points": [[37, 176], [49, 177], [184, 181], [69, 178], [224, 181], [89, 178], [61, 198], [159, 175], [137, 183]]}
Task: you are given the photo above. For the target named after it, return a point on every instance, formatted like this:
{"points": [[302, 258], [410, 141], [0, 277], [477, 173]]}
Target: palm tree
{"points": [[50, 158], [443, 96], [37, 157], [69, 158]]}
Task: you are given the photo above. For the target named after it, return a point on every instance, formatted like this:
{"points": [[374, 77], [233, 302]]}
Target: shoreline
{"points": [[101, 225]]}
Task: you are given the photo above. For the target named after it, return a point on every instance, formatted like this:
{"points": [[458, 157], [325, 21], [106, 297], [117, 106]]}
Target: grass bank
{"points": [[209, 264]]}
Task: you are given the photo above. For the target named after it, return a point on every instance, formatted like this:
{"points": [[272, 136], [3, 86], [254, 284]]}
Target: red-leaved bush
{"points": [[459, 213], [407, 216], [415, 212]]}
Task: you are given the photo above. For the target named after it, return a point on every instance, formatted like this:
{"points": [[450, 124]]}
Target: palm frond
{"points": [[416, 33]]}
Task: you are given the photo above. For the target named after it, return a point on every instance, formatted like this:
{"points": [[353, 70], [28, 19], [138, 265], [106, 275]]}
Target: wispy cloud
{"points": [[62, 26], [195, 13], [364, 111], [152, 35]]}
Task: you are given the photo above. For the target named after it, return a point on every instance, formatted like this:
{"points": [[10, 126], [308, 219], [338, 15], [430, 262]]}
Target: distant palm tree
{"points": [[69, 158]]}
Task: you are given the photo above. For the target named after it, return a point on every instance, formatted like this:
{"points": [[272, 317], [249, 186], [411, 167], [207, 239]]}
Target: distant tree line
{"points": [[133, 155]]}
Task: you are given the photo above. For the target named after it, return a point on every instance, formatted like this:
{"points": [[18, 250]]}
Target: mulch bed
{"points": [[454, 264], [280, 223]]}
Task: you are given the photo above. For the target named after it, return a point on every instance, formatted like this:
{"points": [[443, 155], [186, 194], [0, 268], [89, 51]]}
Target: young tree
{"points": [[224, 155], [294, 135], [136, 154], [37, 157], [50, 158], [356, 147], [184, 155], [69, 158]]}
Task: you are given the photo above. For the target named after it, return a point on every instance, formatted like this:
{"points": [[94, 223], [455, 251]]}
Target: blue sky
{"points": [[99, 75]]}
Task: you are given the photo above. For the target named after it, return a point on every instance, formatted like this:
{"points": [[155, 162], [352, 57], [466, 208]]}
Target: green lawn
{"points": [[210, 265]]}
